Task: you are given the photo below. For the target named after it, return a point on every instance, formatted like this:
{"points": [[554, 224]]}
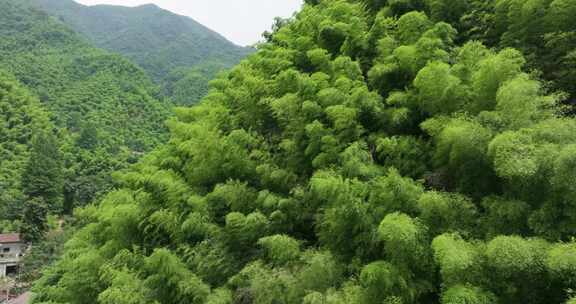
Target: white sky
{"points": [[241, 21]]}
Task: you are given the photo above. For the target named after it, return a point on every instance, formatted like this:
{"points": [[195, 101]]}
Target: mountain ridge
{"points": [[86, 89], [156, 39]]}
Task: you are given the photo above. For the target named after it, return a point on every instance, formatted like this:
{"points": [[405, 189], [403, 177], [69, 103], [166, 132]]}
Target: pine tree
{"points": [[88, 138], [43, 174], [34, 219]]}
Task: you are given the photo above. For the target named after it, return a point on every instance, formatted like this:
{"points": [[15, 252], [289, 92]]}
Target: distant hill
{"points": [[107, 106], [156, 39]]}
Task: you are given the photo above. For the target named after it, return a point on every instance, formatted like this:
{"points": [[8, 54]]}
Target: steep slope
{"points": [[545, 31], [367, 154], [106, 104], [186, 86], [156, 39], [21, 115]]}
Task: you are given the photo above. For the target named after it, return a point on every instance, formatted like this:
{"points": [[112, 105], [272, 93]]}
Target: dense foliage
{"points": [[542, 30], [105, 106], [370, 152], [21, 117], [187, 86], [161, 42]]}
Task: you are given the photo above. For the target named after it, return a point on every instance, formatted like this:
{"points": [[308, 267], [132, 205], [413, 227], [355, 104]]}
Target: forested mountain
{"points": [[370, 152], [105, 107], [157, 40], [21, 117], [187, 86]]}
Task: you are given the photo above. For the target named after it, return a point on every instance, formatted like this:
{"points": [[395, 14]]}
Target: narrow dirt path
{"points": [[22, 299]]}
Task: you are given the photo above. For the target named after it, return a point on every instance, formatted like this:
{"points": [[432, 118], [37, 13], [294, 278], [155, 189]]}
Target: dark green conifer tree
{"points": [[34, 223], [43, 177], [88, 138]]}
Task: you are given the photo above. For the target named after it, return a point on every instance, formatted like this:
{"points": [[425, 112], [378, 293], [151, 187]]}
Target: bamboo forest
{"points": [[362, 152]]}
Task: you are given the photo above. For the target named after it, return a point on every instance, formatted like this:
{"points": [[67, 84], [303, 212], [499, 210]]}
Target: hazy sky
{"points": [[241, 21]]}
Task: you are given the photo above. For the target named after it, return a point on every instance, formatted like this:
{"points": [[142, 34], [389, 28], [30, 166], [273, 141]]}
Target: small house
{"points": [[12, 248]]}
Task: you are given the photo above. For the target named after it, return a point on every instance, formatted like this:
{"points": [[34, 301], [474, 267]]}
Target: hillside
{"points": [[156, 39], [372, 152], [106, 106], [21, 116]]}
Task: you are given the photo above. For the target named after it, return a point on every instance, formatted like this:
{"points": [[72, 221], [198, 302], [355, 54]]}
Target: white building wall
{"points": [[12, 249], [9, 256]]}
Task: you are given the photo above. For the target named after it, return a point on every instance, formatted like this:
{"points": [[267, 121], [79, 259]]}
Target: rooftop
{"points": [[10, 238]]}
